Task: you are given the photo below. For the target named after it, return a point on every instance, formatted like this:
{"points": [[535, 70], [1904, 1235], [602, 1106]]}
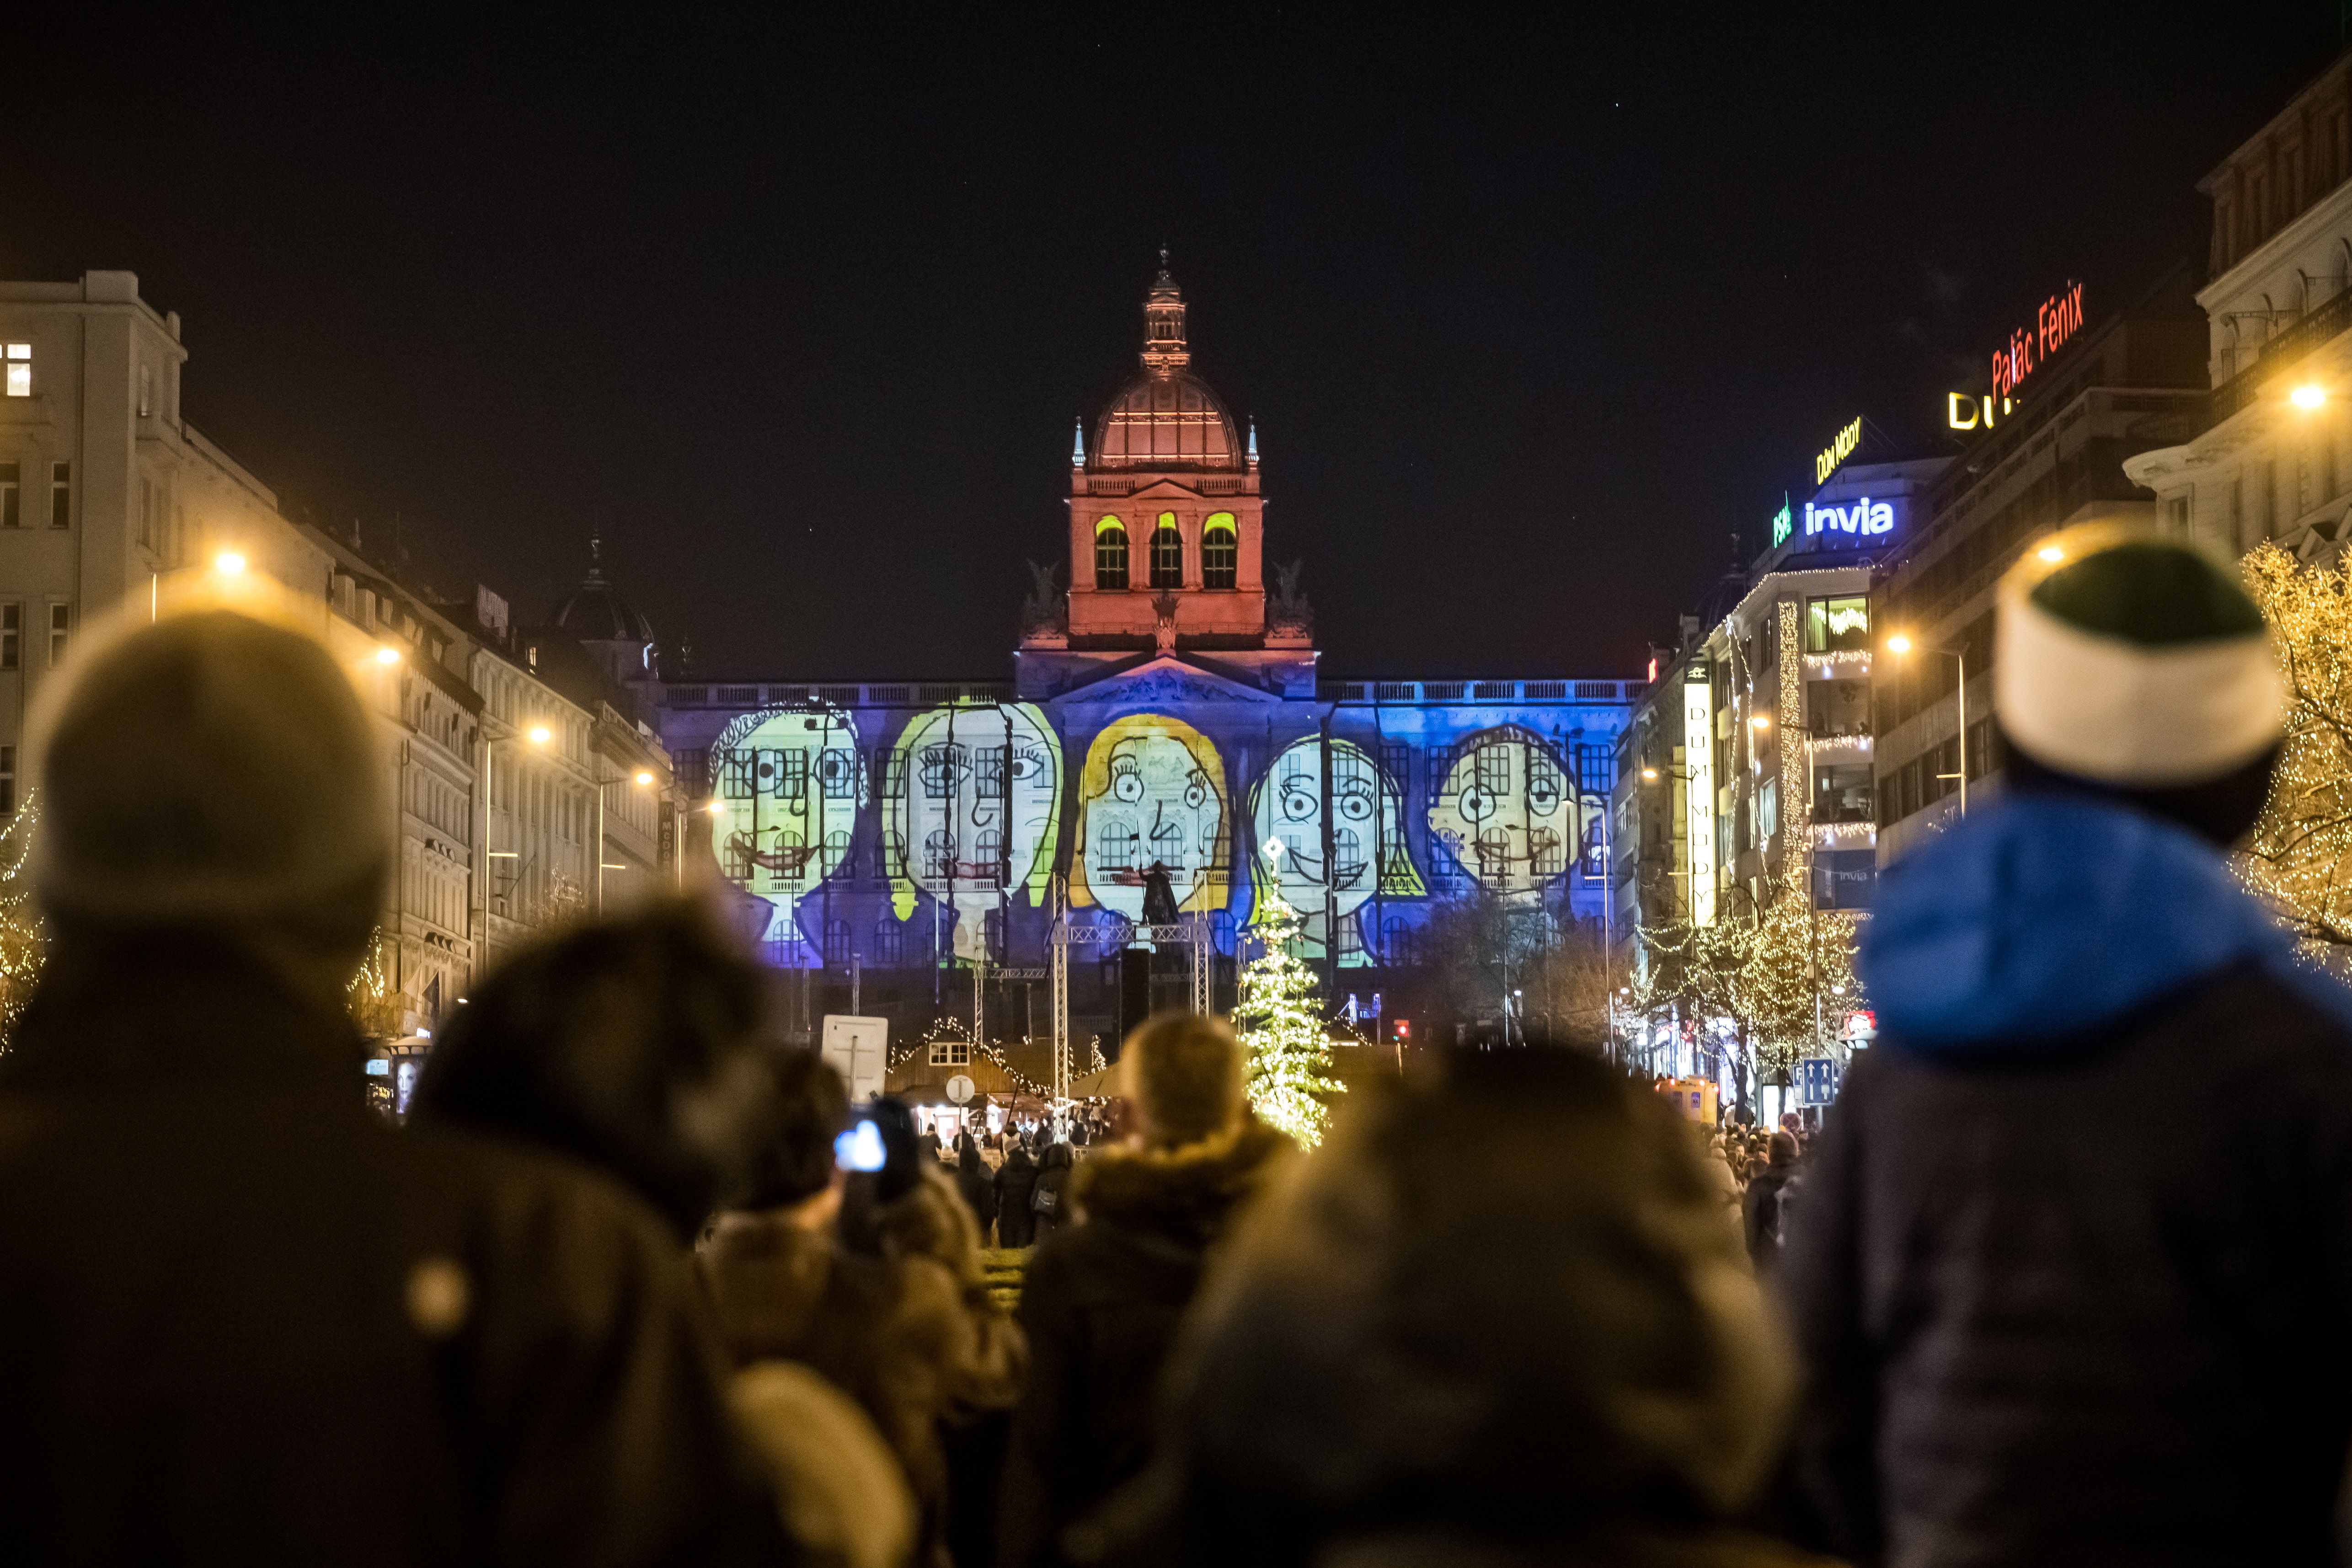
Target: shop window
{"points": [[1220, 552], [1837, 625], [1167, 554], [1111, 553]]}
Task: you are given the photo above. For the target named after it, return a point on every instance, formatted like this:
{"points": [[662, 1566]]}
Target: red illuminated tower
{"points": [[1166, 519]]}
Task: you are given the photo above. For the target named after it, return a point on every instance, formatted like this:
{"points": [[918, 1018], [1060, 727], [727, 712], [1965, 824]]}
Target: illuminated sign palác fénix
{"points": [[2059, 319], [1826, 461], [1698, 791]]}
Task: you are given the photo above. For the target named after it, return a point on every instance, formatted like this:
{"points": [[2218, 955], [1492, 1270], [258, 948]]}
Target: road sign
{"points": [[1817, 1080], [959, 1088]]}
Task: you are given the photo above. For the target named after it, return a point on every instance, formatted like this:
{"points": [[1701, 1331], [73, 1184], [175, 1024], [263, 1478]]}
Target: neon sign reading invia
{"points": [[1863, 517]]}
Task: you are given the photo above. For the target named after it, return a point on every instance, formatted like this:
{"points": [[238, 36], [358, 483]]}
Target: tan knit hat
{"points": [[213, 766]]}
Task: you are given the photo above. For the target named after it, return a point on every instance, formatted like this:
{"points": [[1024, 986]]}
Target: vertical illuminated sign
{"points": [[1698, 802]]}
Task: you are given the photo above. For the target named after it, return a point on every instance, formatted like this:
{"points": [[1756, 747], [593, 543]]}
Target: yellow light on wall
{"points": [[645, 778], [1762, 721], [1898, 644], [2310, 395], [538, 735], [387, 656], [2050, 552], [228, 563]]}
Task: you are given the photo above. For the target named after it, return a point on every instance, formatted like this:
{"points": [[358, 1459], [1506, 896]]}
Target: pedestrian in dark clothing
{"points": [[241, 1318], [2034, 1334], [1760, 1206], [978, 1187], [1102, 1299], [1016, 1182], [1049, 1201], [1497, 1321]]}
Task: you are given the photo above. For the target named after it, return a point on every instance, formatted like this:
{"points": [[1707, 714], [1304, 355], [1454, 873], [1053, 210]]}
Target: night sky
{"points": [[1531, 311]]}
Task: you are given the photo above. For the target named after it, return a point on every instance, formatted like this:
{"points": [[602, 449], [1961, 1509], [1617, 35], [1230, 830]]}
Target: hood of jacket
{"points": [[766, 1277], [1185, 1193], [2053, 917]]}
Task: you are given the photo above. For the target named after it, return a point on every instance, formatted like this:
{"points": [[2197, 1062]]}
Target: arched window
{"points": [[1111, 553], [1396, 941], [1167, 554], [987, 855], [836, 943], [890, 951], [836, 850], [1220, 552], [938, 862]]}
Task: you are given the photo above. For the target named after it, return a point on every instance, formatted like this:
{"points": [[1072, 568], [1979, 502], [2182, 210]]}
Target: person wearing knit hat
{"points": [[241, 1317], [1103, 1295], [2031, 1331]]}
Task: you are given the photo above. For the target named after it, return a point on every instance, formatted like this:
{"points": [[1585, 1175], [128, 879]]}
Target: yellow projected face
{"points": [[1505, 814], [1153, 793], [947, 820], [788, 786]]}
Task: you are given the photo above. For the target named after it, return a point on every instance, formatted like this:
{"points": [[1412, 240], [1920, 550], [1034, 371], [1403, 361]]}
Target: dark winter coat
{"points": [[243, 1320], [1049, 1200], [977, 1186], [1760, 1210], [2034, 1333], [1016, 1182], [1101, 1303], [908, 1331]]}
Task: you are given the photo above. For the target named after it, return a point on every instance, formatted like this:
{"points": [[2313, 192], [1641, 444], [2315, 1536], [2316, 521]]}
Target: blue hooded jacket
{"points": [[2051, 916]]}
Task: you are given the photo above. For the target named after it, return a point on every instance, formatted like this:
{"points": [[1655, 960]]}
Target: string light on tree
{"points": [[2298, 859], [1280, 1026], [23, 941]]}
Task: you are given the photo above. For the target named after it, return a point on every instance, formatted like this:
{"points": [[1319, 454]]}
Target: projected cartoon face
{"points": [[1153, 793], [946, 830], [788, 787], [1506, 812], [1367, 830]]}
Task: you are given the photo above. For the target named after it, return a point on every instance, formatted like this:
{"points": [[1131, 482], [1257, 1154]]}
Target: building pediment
{"points": [[1160, 681]]}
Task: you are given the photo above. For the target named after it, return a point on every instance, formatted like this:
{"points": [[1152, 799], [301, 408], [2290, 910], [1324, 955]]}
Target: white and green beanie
{"points": [[2134, 661]]}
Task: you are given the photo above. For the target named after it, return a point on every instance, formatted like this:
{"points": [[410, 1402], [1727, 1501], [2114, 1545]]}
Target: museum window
{"points": [[889, 945], [1544, 852], [61, 494], [1111, 553], [20, 369], [1220, 552], [1837, 625], [838, 771], [8, 781], [938, 856], [836, 850], [60, 622], [890, 856], [1167, 554], [1348, 852], [12, 636], [10, 491], [1396, 942], [987, 855], [1492, 768], [836, 943], [943, 769]]}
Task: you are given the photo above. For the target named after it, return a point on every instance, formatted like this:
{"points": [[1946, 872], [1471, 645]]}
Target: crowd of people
{"points": [[637, 1284]]}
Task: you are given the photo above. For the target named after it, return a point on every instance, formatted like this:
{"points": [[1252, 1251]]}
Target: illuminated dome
{"points": [[1167, 418], [595, 612]]}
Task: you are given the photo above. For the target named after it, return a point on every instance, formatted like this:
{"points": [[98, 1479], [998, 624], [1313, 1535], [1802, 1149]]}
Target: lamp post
{"points": [[1899, 645], [537, 735]]}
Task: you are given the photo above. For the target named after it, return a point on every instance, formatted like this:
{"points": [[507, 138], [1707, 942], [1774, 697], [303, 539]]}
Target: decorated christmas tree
{"points": [[1282, 1030]]}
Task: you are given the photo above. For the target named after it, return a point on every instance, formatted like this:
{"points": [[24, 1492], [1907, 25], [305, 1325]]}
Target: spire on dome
{"points": [[1163, 325], [1252, 440], [596, 553], [1078, 445]]}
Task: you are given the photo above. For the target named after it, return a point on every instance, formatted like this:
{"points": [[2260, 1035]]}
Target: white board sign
{"points": [[859, 1050]]}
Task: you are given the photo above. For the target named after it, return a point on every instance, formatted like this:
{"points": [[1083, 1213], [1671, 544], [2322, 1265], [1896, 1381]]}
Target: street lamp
{"points": [[228, 563], [387, 656], [1900, 645], [2308, 396], [643, 779], [538, 736]]}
